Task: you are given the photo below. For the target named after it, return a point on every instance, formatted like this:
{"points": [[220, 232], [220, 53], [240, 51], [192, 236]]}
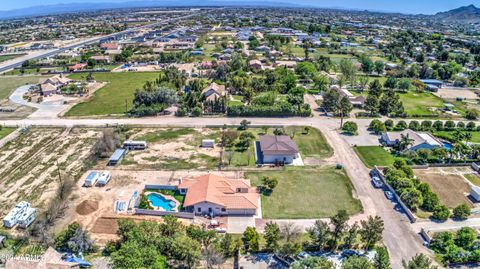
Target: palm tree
{"points": [[405, 142]]}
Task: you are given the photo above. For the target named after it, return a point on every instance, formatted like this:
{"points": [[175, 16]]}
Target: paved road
{"points": [[48, 53]]}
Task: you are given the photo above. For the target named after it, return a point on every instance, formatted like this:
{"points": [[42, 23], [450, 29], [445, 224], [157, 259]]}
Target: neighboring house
{"points": [[111, 46], [214, 91], [51, 85], [101, 58], [278, 149], [255, 64], [419, 140], [216, 195], [77, 67], [50, 260]]}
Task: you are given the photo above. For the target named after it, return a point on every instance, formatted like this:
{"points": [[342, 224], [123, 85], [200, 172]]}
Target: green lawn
{"points": [[163, 135], [4, 58], [422, 104], [9, 84], [447, 134], [312, 144], [4, 131], [115, 97], [307, 193], [473, 178], [374, 155]]}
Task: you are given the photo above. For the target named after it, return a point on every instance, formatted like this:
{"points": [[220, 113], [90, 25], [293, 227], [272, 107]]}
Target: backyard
{"points": [[374, 155], [114, 98], [449, 135], [313, 192], [447, 183]]}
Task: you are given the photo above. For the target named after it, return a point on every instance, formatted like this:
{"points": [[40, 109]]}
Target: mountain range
{"points": [[466, 14]]}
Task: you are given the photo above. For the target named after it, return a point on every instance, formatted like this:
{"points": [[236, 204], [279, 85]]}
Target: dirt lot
{"points": [[32, 162], [448, 183], [172, 149], [449, 93]]}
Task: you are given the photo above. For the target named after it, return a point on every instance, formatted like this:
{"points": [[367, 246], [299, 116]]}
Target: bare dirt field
{"points": [[31, 163], [172, 149], [451, 93], [448, 183]]}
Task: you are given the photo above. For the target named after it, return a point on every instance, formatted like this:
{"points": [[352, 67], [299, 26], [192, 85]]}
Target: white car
{"points": [[104, 178], [389, 195]]}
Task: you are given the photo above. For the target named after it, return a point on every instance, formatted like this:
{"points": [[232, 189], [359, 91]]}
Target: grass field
{"points": [[374, 155], [307, 193], [4, 131], [450, 188], [9, 84], [115, 97], [312, 144], [475, 135], [4, 58], [473, 178], [422, 104]]}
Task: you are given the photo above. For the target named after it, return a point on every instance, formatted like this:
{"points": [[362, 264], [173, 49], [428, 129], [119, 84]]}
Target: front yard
{"points": [[313, 192], [4, 131], [374, 155]]}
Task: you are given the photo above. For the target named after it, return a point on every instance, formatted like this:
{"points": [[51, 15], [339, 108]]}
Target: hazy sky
{"points": [[404, 6]]}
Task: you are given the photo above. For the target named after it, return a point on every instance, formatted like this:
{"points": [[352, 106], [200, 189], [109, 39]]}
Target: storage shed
{"points": [[475, 193], [116, 157]]}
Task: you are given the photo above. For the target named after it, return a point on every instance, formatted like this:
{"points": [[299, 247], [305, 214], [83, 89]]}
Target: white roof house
{"points": [[420, 140]]}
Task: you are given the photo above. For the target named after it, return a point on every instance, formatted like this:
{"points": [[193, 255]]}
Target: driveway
{"points": [[48, 109]]}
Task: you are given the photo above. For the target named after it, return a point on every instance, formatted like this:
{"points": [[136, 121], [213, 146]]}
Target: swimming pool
{"points": [[447, 146], [158, 200]]}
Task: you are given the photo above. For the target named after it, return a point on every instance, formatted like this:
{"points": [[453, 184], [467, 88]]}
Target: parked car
{"points": [[377, 182], [389, 195]]}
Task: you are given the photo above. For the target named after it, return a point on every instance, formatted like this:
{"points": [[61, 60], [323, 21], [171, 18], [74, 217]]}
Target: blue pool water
{"points": [[158, 200], [447, 146]]}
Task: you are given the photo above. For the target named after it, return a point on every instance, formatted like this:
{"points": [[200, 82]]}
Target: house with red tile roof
{"points": [[216, 195]]}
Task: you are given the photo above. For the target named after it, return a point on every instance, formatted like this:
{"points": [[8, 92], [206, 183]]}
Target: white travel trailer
{"points": [[208, 143], [134, 145], [27, 217], [91, 179], [104, 178], [22, 212]]}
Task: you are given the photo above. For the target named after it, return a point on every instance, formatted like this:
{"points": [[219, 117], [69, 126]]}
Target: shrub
{"points": [[283, 109], [471, 126], [389, 124], [460, 125], [472, 114], [441, 213], [377, 126], [461, 212], [426, 125], [438, 125], [449, 125], [197, 112], [350, 127], [401, 125], [414, 125]]}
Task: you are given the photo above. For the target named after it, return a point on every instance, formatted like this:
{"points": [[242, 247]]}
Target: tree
{"points": [[379, 67], [132, 255], [377, 126], [251, 240], [371, 231], [313, 262], [465, 237], [321, 83], [339, 223], [272, 235], [420, 261], [391, 83], [412, 198], [357, 262], [401, 125], [472, 114], [350, 127], [348, 70], [461, 212], [351, 236], [244, 125], [319, 234], [372, 104], [381, 259], [414, 125]]}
